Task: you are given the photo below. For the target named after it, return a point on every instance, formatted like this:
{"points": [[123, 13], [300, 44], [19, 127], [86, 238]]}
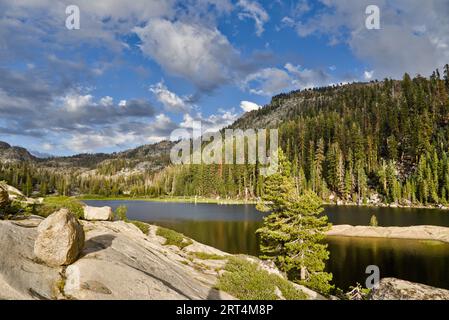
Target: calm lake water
{"points": [[231, 228]]}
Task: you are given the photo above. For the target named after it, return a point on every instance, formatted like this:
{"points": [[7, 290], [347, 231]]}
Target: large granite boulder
{"points": [[60, 239], [4, 199], [395, 289], [98, 214], [21, 275]]}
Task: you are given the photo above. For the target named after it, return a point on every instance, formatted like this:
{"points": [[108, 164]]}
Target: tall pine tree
{"points": [[293, 233]]}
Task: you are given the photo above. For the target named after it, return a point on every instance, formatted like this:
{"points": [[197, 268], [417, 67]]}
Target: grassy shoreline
{"points": [[238, 201], [168, 199]]}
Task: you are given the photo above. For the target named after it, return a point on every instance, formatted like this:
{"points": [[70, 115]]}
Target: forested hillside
{"points": [[381, 141], [356, 142]]}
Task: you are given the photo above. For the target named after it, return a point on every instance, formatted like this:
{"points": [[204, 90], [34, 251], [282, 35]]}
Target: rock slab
{"points": [[21, 276], [98, 214], [60, 239], [434, 233], [395, 289]]}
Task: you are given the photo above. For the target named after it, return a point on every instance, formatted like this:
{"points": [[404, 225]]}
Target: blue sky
{"points": [[136, 71]]}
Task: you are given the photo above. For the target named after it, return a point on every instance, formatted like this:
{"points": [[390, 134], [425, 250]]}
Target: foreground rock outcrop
{"points": [[21, 275], [98, 213], [60, 239], [117, 262], [412, 233], [395, 289]]}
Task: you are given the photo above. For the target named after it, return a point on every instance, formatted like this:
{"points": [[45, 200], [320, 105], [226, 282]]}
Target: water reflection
{"points": [[418, 261], [232, 228]]}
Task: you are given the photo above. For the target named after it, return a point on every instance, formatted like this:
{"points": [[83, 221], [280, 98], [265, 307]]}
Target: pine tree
{"points": [[446, 76], [28, 186], [319, 160], [293, 233]]}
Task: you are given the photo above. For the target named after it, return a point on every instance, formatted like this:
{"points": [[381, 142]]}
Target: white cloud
{"points": [[307, 78], [253, 10], [268, 81], [413, 36], [192, 51], [248, 106], [272, 81], [122, 103], [47, 146], [74, 102], [211, 123], [302, 7], [368, 75], [91, 141], [171, 101], [131, 134], [107, 101]]}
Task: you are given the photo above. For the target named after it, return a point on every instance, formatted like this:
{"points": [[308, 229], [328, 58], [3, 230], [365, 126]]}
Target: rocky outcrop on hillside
{"points": [[395, 289], [13, 194], [412, 233], [9, 153]]}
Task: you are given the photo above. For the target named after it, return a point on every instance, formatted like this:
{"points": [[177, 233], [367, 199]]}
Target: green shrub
{"points": [[52, 204], [207, 256], [144, 227], [173, 238], [120, 213], [373, 222], [244, 280]]}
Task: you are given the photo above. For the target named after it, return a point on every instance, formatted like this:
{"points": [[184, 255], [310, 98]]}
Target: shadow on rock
{"points": [[98, 243], [214, 294]]}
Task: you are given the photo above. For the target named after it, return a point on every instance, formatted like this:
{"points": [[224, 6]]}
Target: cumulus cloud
{"points": [[170, 100], [44, 96], [368, 75], [211, 123], [107, 101], [254, 10], [124, 135], [307, 78], [413, 36], [271, 81], [268, 81], [31, 106], [248, 106], [200, 54]]}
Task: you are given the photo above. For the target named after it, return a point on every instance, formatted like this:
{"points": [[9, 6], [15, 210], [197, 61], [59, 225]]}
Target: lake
{"points": [[231, 228]]}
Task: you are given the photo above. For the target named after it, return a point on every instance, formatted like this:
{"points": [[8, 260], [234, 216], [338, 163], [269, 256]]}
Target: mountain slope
{"points": [[9, 153]]}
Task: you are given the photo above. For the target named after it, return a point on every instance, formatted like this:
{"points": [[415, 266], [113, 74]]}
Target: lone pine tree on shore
{"points": [[293, 233]]}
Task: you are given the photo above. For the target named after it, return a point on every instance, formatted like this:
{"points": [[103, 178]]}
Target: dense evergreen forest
{"points": [[356, 143], [351, 142]]}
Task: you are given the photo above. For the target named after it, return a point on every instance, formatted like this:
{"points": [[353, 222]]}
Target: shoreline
{"points": [[253, 202], [170, 200], [390, 206], [425, 233]]}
